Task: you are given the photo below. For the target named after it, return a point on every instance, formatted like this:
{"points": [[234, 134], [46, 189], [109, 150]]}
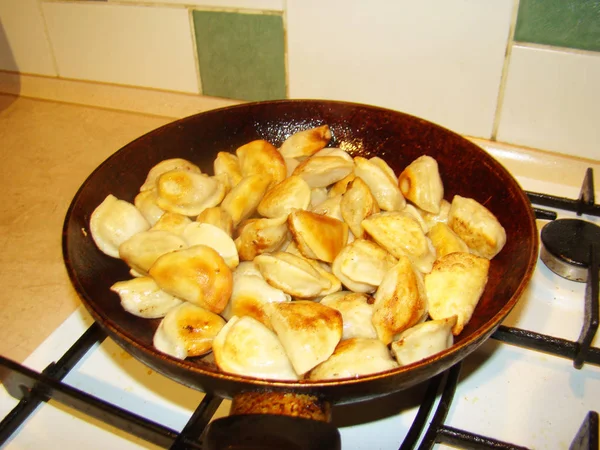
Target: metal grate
{"points": [[32, 388]]}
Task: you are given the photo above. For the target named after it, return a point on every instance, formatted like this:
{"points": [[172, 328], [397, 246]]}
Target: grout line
{"points": [[195, 48], [47, 36], [554, 48], [505, 66], [286, 59]]}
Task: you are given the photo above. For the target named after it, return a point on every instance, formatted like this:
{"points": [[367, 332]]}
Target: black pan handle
{"points": [[270, 432], [274, 420]]}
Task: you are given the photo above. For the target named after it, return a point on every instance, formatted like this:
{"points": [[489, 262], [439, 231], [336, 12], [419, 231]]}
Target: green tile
{"points": [[564, 23], [241, 56]]}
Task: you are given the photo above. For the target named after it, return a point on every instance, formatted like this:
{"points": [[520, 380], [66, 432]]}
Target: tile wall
{"points": [[520, 71]]}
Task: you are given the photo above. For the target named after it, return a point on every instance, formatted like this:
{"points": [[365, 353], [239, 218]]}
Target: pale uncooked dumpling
{"points": [[187, 331], [423, 340], [143, 298], [292, 193], [173, 222], [197, 233], [357, 312], [113, 222], [145, 201], [384, 189], [420, 182], [306, 142], [142, 249], [246, 347], [321, 171]]}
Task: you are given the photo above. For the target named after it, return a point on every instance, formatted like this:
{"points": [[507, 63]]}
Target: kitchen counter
{"points": [[52, 142]]}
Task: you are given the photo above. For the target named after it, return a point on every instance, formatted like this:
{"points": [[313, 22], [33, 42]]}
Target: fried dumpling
{"points": [[251, 296], [173, 222], [308, 331], [188, 193], [292, 193], [292, 274], [262, 158], [477, 226], [445, 241], [241, 202], [423, 340], [455, 286], [330, 207], [321, 171], [356, 205], [142, 249], [318, 237], [334, 151], [143, 298], [197, 274], [306, 142], [431, 219], [355, 357], [356, 310], [197, 233], [145, 201], [420, 182], [187, 331], [400, 301], [228, 164], [257, 236], [384, 189], [244, 346], [361, 265], [113, 222], [340, 187], [317, 196], [400, 234], [218, 217], [166, 166]]}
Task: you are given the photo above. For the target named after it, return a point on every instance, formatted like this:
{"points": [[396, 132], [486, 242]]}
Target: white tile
{"points": [[552, 101], [146, 46], [24, 46], [437, 59], [268, 5]]}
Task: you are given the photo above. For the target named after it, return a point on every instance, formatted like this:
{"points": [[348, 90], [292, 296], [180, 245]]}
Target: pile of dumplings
{"points": [[300, 262]]}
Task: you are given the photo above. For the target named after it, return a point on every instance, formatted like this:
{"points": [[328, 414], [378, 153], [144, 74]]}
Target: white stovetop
{"points": [[520, 396]]}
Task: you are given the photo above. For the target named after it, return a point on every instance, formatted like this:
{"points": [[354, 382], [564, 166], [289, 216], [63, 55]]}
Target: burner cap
{"points": [[566, 247]]}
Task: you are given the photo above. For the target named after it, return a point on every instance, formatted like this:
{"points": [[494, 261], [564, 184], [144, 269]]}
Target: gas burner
{"points": [[566, 247]]}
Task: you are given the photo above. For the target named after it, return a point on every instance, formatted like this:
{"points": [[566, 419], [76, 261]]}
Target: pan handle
{"points": [[274, 420]]}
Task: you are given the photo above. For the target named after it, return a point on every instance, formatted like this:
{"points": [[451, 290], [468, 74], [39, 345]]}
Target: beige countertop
{"points": [[49, 147]]}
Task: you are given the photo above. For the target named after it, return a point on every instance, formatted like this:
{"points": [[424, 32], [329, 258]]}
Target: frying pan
{"points": [[361, 130]]}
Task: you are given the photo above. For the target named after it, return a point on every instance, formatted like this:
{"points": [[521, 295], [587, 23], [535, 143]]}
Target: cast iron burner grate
{"points": [[32, 388]]}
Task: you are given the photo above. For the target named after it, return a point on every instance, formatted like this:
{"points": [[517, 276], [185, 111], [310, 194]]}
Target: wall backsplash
{"points": [[520, 71]]}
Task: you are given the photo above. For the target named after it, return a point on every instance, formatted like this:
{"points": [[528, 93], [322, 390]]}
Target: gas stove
{"points": [[535, 384]]}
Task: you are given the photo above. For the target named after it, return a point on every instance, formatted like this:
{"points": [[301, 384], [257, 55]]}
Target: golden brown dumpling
{"points": [[241, 202], [477, 226], [400, 234], [455, 285], [306, 142], [246, 347], [292, 193], [173, 222], [445, 241], [218, 217], [145, 201], [330, 207], [420, 182], [355, 357], [308, 331], [261, 158], [318, 237], [166, 166], [197, 274], [400, 301], [257, 236], [321, 171], [113, 222], [188, 193], [228, 164], [187, 331]]}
